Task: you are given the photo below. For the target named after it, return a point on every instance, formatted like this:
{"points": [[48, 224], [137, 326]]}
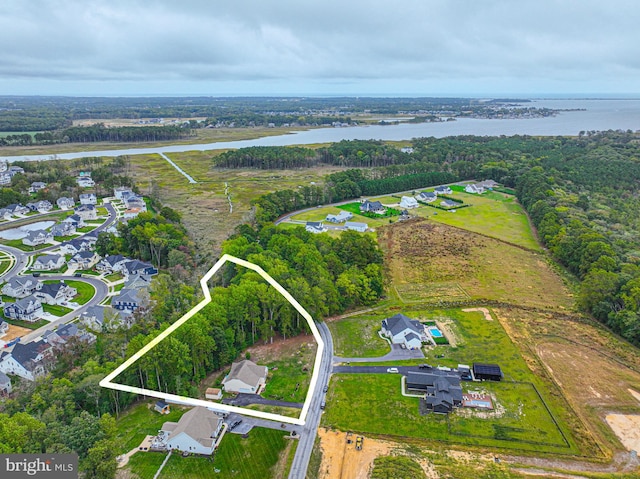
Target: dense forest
{"points": [[581, 194]]}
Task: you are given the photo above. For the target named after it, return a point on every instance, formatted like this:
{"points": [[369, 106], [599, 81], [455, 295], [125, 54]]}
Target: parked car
{"points": [[235, 424], [325, 389], [392, 370], [425, 366]]}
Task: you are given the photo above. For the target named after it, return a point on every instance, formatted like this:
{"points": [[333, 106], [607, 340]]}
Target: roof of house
{"points": [[355, 224], [114, 259], [371, 205], [342, 216], [48, 257], [21, 281], [76, 243], [85, 208], [399, 322], [213, 391], [52, 289], [84, 255], [427, 194], [37, 233], [138, 281], [315, 224], [248, 372], [161, 404], [26, 353], [135, 265], [430, 378], [95, 312], [412, 336], [24, 303], [200, 424]]}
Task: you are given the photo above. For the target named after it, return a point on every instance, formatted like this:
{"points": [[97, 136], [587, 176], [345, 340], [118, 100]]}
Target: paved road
{"points": [[310, 429], [397, 353], [244, 399], [375, 369], [249, 423]]}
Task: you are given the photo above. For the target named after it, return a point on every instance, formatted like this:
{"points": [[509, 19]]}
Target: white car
{"points": [[392, 370]]}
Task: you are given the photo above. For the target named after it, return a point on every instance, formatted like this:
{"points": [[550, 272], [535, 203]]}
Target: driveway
{"points": [[397, 353], [244, 399]]}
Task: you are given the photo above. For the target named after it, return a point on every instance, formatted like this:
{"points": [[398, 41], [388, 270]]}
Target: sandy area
{"points": [[635, 394], [280, 348], [341, 460], [485, 311], [14, 332], [627, 428], [443, 325]]}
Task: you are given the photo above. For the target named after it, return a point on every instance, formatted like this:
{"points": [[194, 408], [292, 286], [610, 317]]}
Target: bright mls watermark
{"points": [[49, 466]]}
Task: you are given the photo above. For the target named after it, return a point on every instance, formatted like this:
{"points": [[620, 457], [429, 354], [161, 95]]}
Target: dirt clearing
{"points": [[280, 348], [14, 332], [485, 311], [627, 428]]}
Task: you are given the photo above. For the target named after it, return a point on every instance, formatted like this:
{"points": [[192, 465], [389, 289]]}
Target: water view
{"points": [[22, 231]]}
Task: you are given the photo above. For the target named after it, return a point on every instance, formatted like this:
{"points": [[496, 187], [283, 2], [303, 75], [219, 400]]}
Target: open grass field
{"points": [[494, 214], [56, 310], [373, 404], [6, 261], [422, 255], [204, 206]]}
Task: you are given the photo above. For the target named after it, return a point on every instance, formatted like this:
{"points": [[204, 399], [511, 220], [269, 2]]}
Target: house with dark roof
{"points": [[128, 300], [37, 237], [26, 309], [196, 432], [63, 334], [74, 220], [443, 190], [55, 293], [356, 226], [162, 407], [48, 262], [112, 263], [84, 259], [97, 318], [88, 199], [427, 197], [42, 206], [86, 212], [17, 209], [75, 246], [491, 372], [442, 389], [135, 267], [372, 207], [63, 229], [29, 360], [315, 227], [138, 281], [401, 329], [121, 191], [245, 377], [37, 186], [21, 286], [448, 204]]}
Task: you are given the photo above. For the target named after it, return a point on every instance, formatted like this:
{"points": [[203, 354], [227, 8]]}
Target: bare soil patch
{"points": [[14, 332], [627, 428], [485, 311], [280, 348]]}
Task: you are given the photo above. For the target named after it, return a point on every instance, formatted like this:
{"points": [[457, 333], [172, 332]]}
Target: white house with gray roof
{"points": [[55, 293], [28, 361], [65, 203], [340, 217], [356, 226], [21, 286], [27, 309], [88, 199], [196, 432], [48, 262], [403, 330], [37, 238], [245, 377], [86, 212]]}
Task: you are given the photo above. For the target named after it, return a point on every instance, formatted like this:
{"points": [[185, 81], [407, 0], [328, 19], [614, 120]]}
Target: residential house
{"points": [[88, 199], [245, 377], [65, 203], [76, 245], [488, 184], [17, 209], [84, 260], [85, 182], [14, 170], [55, 293], [63, 229], [122, 191], [408, 202], [91, 236], [5, 385], [5, 178], [37, 238], [449, 204], [162, 407], [443, 390], [138, 281], [48, 262], [112, 263], [37, 186], [43, 206], [372, 207], [129, 300], [74, 220], [427, 197], [5, 214], [355, 226], [403, 330], [98, 318], [21, 286], [135, 267], [86, 212], [315, 227], [131, 213], [135, 201], [63, 334], [26, 309], [340, 217], [4, 327], [196, 432], [443, 190], [474, 188], [28, 360]]}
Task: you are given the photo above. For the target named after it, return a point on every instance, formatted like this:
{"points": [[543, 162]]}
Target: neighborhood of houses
{"points": [[25, 298], [406, 203]]}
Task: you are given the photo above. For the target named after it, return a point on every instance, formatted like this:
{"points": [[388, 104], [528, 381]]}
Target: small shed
{"points": [[162, 407], [213, 393], [491, 372]]}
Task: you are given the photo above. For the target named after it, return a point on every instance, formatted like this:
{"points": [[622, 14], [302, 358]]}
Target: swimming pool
{"points": [[435, 332]]}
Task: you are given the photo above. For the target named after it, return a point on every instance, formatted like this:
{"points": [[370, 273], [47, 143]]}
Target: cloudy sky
{"points": [[313, 47]]}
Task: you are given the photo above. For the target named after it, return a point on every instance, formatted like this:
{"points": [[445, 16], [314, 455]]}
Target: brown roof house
{"points": [[245, 377], [213, 393], [196, 432]]}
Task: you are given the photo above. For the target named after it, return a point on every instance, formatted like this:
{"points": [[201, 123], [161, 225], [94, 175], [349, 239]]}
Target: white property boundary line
{"points": [[107, 382]]}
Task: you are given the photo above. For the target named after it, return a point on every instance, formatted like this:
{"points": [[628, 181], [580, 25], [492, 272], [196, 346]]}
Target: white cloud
{"points": [[421, 44]]}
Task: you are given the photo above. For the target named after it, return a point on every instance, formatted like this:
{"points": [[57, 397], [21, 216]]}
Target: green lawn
{"points": [[139, 421], [25, 324], [357, 336], [493, 214], [56, 310], [373, 404], [113, 277], [289, 382], [86, 229], [236, 457], [85, 291], [18, 244]]}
